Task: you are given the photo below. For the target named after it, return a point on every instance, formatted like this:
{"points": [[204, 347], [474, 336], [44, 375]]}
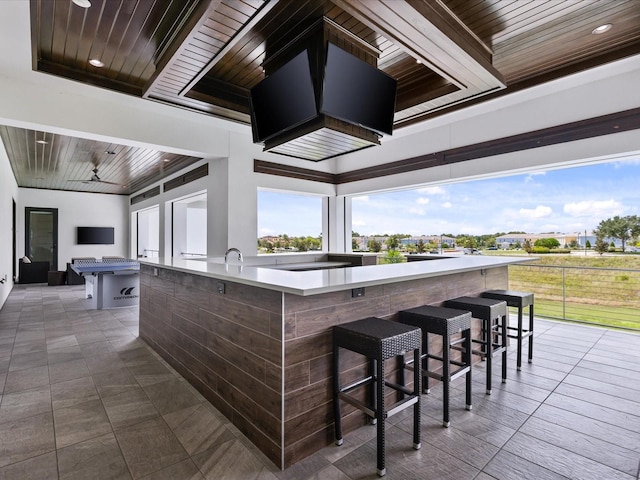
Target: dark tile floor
{"points": [[81, 397]]}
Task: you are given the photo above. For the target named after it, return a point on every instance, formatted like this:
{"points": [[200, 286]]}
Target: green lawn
{"points": [[603, 290], [620, 317]]}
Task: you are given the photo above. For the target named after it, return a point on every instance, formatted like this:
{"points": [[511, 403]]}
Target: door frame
{"points": [[14, 235], [27, 227]]}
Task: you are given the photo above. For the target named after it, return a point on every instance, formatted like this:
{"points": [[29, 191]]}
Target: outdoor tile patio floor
{"points": [[81, 397]]}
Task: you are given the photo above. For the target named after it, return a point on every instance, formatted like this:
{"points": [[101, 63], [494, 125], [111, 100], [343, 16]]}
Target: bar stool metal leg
{"points": [[467, 359], [373, 388], [417, 380], [531, 333], [504, 348], [446, 375], [380, 416], [425, 364], [519, 340], [487, 340]]}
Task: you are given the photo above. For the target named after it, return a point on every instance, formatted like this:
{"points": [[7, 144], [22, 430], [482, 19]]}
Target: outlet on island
{"points": [[357, 292]]}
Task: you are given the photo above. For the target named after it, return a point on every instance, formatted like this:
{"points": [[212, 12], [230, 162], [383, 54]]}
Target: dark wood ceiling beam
{"points": [[425, 92], [178, 45], [238, 37], [260, 166], [222, 94], [628, 50], [429, 32]]}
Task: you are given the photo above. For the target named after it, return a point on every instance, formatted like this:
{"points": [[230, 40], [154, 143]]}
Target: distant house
{"points": [[510, 240], [426, 239]]}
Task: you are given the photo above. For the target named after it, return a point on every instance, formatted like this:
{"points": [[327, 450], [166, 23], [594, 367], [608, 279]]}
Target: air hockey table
{"points": [[110, 283]]}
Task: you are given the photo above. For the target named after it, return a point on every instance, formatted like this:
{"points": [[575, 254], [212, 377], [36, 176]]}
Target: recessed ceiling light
{"points": [[418, 61], [602, 28], [82, 3], [166, 160], [96, 63], [42, 142]]}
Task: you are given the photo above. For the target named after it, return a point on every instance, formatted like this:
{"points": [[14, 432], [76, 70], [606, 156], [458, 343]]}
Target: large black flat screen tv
{"points": [[284, 99], [357, 92], [95, 235]]}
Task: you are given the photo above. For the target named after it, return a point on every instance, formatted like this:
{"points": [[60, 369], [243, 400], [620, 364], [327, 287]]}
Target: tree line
{"points": [[626, 229], [284, 242]]}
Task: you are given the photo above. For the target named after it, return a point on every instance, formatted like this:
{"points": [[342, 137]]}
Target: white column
{"points": [[336, 217]]}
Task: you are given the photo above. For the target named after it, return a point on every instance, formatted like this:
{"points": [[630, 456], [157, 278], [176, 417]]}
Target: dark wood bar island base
{"points": [[257, 342]]}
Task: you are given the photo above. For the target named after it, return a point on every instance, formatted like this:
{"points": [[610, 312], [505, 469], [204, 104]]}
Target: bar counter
{"points": [[255, 338]]}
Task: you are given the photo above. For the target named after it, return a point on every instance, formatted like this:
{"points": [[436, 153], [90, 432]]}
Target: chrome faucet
{"points": [[226, 254]]}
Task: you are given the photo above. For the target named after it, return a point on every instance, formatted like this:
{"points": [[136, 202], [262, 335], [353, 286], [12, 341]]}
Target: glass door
{"points": [[41, 242]]}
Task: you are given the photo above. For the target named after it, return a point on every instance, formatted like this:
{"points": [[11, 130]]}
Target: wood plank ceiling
{"points": [[205, 55], [58, 162]]}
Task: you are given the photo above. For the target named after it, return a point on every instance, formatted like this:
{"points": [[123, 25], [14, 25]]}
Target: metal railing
{"points": [[597, 296]]}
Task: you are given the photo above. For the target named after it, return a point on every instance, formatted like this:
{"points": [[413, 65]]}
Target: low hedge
{"points": [[543, 250]]}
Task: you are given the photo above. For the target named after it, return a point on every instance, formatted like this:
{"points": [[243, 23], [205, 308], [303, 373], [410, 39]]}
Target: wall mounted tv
{"points": [[357, 92], [283, 100], [95, 236]]}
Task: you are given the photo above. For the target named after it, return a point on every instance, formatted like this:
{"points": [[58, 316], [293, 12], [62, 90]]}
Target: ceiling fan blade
{"points": [[110, 183]]}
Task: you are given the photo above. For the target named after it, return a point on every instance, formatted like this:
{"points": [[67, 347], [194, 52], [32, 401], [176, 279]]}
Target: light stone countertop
{"points": [[315, 282]]}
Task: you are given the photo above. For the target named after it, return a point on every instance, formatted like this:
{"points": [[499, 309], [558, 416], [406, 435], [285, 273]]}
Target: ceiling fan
{"points": [[96, 179]]}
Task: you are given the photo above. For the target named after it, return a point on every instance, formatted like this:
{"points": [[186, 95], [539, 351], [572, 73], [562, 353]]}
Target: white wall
{"points": [[148, 228], [8, 193], [196, 229], [77, 209]]}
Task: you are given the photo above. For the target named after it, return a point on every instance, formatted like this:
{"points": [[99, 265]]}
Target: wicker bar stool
{"points": [[378, 340], [445, 322], [493, 341], [519, 300]]}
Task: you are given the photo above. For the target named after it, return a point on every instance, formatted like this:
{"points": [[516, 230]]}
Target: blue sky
{"points": [[567, 200]]}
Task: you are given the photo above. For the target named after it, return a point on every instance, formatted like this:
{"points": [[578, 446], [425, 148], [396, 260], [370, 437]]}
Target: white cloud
{"points": [[625, 163], [529, 178], [431, 191], [422, 201], [540, 211], [417, 211], [446, 205], [551, 227], [362, 198], [358, 223], [594, 208]]}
